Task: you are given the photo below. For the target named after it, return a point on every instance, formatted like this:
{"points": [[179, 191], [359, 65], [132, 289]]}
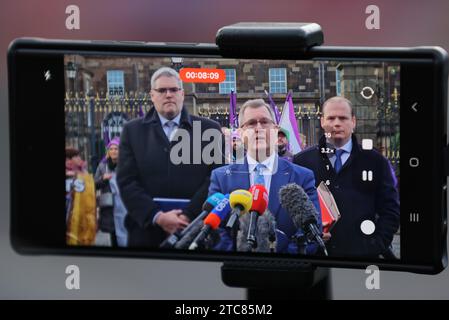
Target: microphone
{"points": [[194, 229], [258, 207], [240, 201], [208, 205], [187, 239], [266, 234], [295, 200], [212, 221]]}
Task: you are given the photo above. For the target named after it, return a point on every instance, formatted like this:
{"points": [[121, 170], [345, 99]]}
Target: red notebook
{"points": [[329, 209]]}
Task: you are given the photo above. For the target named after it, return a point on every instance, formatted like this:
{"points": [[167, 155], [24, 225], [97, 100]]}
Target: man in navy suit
{"points": [[262, 165], [361, 182]]}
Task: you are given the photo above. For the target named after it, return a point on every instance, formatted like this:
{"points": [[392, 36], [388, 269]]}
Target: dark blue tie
{"points": [[338, 164]]}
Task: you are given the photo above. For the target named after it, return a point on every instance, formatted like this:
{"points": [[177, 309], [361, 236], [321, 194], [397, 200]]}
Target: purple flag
{"points": [[273, 105], [288, 122], [141, 113], [233, 121]]}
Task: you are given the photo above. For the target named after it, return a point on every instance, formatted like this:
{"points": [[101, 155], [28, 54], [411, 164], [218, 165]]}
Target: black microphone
{"points": [[258, 207], [265, 233], [212, 222], [187, 239], [208, 205], [242, 244], [295, 200]]}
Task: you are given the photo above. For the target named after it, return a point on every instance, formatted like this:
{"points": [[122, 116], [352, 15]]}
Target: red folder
{"points": [[329, 210]]}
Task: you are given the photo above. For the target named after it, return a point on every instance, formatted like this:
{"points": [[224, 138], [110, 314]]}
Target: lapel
{"points": [[238, 176], [354, 151], [280, 178], [152, 123]]}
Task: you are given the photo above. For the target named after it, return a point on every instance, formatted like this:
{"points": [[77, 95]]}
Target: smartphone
{"points": [[90, 151]]}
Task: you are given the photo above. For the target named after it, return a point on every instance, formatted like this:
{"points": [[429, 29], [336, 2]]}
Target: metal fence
{"points": [[93, 120]]}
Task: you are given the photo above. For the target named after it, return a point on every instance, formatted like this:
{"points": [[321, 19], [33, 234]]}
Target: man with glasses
{"points": [[147, 170], [262, 165]]}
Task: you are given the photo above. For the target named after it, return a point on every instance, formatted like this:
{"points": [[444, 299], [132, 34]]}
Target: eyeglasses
{"points": [[252, 124], [164, 90]]}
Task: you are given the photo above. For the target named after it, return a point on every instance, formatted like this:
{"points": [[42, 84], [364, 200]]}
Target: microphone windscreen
{"points": [[266, 230], [212, 220], [241, 197], [219, 213], [266, 226], [242, 243], [260, 198], [212, 201], [295, 200]]}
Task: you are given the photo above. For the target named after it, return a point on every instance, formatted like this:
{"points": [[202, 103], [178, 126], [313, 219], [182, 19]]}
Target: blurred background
{"points": [[402, 23]]}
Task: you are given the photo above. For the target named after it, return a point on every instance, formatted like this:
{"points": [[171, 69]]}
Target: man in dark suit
{"points": [[361, 182], [153, 163], [262, 165]]}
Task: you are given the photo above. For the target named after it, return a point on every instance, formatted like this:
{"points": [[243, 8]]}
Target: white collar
{"points": [[347, 146], [268, 162]]}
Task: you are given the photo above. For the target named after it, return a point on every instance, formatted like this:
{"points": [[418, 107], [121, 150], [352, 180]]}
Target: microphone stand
{"points": [[301, 242], [234, 232], [270, 278]]}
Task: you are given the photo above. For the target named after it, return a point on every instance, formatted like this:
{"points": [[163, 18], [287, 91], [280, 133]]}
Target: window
{"points": [[116, 83], [278, 80], [338, 81], [229, 84]]}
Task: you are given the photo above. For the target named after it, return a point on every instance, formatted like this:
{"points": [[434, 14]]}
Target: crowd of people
{"points": [[106, 223]]}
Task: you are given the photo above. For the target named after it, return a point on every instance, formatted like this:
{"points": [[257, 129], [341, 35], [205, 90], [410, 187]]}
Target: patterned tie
{"points": [[258, 177], [171, 126], [338, 164]]}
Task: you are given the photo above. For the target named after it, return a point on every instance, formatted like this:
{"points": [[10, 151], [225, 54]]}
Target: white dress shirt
{"points": [[164, 120], [344, 157], [270, 169]]}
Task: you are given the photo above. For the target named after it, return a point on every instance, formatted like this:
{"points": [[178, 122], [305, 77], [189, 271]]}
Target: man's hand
{"points": [[326, 235], [184, 217], [171, 221]]}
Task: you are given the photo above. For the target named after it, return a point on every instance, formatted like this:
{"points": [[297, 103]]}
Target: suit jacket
{"points": [[236, 176], [145, 171], [358, 200]]}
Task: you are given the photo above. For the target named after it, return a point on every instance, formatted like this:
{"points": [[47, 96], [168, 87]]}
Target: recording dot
{"points": [[368, 227], [367, 144]]}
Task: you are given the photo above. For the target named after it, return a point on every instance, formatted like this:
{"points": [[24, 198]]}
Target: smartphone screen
{"points": [[342, 128]]}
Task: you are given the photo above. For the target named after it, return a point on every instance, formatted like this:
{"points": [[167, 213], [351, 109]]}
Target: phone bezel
{"points": [[22, 145]]}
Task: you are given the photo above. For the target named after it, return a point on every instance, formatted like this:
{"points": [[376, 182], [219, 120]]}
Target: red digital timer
{"points": [[202, 75]]}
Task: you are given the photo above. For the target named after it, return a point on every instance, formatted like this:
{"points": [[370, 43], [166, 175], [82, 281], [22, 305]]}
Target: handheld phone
{"points": [[99, 129]]}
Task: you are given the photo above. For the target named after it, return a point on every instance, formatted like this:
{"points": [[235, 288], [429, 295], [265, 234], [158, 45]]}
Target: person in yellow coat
{"points": [[80, 201]]}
